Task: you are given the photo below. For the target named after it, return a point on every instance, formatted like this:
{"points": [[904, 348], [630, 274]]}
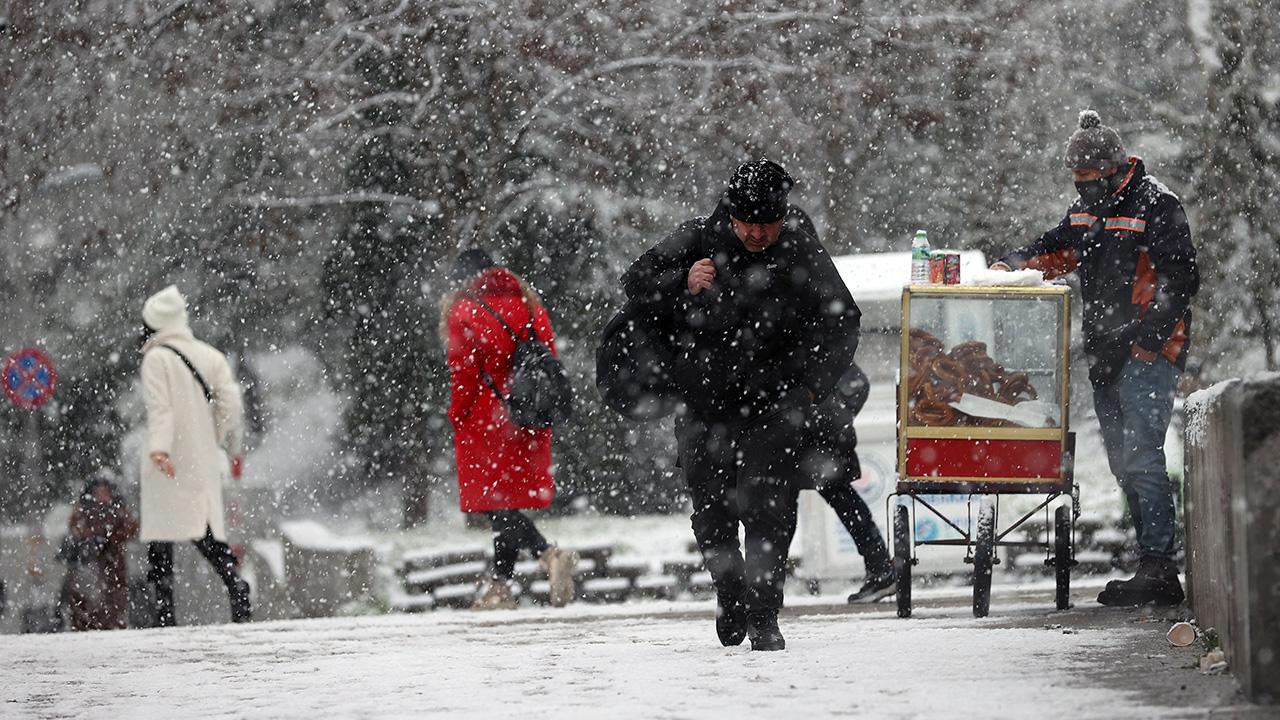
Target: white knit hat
{"points": [[166, 310]]}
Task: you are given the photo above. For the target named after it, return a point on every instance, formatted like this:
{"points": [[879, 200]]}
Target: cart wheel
{"points": [[902, 559], [982, 560], [1062, 556]]}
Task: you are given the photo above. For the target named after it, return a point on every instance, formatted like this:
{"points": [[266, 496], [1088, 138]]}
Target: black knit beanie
{"points": [[757, 192], [470, 263], [1094, 145]]}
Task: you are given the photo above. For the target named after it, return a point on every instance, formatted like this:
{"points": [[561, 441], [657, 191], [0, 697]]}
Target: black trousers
{"points": [[513, 531], [856, 518], [744, 472], [218, 553]]}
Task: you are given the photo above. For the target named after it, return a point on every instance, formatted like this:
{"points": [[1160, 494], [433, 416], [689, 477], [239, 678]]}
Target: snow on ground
{"points": [[651, 661]]}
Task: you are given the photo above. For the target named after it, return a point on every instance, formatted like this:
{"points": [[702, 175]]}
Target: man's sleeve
{"points": [[836, 327], [660, 274], [837, 317], [1052, 252], [1172, 255], [159, 403]]}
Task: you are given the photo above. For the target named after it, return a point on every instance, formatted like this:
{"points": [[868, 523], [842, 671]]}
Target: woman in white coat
{"points": [[193, 426]]}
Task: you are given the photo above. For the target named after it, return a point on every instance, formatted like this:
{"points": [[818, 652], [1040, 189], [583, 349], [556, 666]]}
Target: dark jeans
{"points": [[218, 553], [513, 532], [1134, 412], [743, 471], [856, 518]]}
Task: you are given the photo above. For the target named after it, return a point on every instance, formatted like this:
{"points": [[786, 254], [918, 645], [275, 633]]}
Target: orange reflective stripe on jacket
{"points": [[1125, 223]]}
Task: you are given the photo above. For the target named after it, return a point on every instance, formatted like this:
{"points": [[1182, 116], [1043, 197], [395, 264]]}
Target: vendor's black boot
{"points": [[731, 618], [762, 628], [1155, 582]]}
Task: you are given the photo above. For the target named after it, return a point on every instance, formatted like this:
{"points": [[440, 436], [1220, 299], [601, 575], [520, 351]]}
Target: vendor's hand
{"points": [[1001, 265], [1142, 354], [237, 467], [161, 460], [237, 552], [701, 275]]}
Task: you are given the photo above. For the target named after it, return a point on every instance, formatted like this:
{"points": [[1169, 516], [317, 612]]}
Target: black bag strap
{"points": [[532, 332], [532, 335], [204, 386], [488, 380]]}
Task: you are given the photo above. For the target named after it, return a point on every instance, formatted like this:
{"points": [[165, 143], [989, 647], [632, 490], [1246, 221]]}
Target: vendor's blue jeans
{"points": [[1134, 412]]}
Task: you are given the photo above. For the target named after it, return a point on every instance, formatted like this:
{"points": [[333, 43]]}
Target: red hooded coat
{"points": [[501, 466]]}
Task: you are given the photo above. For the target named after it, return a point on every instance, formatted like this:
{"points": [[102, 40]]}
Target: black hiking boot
{"points": [[241, 610], [1155, 582], [762, 628], [163, 612], [877, 585], [731, 619]]}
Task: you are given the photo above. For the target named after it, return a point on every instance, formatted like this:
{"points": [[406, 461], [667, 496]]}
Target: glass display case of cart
{"points": [[983, 389]]}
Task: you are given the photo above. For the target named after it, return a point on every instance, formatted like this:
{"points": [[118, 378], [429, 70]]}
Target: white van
{"points": [[876, 281]]}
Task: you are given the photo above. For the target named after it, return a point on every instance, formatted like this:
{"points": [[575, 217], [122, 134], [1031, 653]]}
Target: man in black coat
{"points": [[1128, 239], [762, 327]]}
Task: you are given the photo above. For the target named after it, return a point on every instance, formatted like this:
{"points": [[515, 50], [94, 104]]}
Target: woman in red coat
{"points": [[502, 468]]}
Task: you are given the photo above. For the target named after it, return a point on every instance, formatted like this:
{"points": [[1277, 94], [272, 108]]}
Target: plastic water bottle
{"points": [[920, 258]]}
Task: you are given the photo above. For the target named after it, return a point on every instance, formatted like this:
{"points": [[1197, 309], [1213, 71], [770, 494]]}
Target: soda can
{"points": [[937, 269], [951, 268]]}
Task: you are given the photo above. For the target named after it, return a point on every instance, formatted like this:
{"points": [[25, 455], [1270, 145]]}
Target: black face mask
{"points": [[1093, 191]]}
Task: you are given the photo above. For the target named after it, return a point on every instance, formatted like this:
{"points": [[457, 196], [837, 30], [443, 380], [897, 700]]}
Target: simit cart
{"points": [[983, 397]]}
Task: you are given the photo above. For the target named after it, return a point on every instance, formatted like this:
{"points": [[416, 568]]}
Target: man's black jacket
{"points": [[774, 324]]}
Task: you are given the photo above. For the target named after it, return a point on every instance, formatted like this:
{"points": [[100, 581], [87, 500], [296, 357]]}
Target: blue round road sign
{"points": [[29, 378]]}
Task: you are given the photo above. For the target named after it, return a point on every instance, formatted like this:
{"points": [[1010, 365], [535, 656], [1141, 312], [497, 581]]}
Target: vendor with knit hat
{"points": [[763, 328], [193, 427], [1128, 240]]}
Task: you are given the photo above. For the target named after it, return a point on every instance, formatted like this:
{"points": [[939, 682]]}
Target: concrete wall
{"points": [[1233, 525], [322, 571]]}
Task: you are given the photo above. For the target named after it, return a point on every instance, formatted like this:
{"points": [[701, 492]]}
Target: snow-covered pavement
{"points": [[650, 661]]}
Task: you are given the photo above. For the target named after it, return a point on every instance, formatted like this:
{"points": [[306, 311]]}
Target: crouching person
{"points": [[763, 327], [97, 589]]}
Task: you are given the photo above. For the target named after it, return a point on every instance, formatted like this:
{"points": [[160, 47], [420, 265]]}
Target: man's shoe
{"points": [[877, 585], [762, 628], [731, 619], [1155, 582]]}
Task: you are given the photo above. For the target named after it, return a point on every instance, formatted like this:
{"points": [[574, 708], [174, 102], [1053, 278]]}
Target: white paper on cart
{"points": [[1026, 277], [1030, 413]]}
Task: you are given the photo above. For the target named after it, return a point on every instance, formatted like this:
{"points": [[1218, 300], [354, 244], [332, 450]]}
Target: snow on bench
{"points": [[426, 559], [605, 590], [426, 580]]}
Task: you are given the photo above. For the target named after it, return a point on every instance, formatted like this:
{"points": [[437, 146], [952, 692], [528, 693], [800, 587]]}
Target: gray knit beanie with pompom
{"points": [[1095, 145]]}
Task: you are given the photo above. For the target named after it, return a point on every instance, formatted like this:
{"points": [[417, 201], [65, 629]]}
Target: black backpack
{"points": [[540, 395]]}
